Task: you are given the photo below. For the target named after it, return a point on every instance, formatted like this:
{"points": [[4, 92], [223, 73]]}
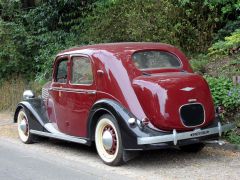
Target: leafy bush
{"points": [[15, 54], [226, 66], [51, 44], [50, 24], [123, 20], [36, 33], [224, 92], [218, 65], [31, 37], [227, 30], [199, 63], [186, 24], [233, 136], [225, 47]]}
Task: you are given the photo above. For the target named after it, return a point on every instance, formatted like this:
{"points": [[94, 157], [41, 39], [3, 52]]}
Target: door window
{"points": [[81, 71], [61, 75]]}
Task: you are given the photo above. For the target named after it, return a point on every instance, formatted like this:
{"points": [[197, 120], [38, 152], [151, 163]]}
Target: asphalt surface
{"points": [[23, 163], [52, 159]]}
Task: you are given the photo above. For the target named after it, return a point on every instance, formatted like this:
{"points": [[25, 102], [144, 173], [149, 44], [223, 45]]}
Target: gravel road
{"points": [[83, 162]]}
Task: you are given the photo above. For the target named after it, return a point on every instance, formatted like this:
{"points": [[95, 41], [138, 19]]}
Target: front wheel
{"points": [[108, 141], [23, 127]]}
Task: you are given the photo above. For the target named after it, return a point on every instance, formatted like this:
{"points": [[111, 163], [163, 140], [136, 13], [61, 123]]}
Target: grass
{"points": [[11, 92]]}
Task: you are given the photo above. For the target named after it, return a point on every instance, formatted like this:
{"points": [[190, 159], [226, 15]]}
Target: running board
{"points": [[60, 136]]}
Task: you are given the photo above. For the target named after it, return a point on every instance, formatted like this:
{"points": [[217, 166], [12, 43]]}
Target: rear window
{"points": [[155, 60]]}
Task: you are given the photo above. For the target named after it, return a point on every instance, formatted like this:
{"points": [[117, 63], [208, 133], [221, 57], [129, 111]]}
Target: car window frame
{"points": [[149, 69], [71, 70], [56, 65]]}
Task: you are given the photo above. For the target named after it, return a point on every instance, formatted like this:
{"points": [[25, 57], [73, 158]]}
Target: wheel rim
{"points": [[109, 139], [106, 139], [23, 126]]}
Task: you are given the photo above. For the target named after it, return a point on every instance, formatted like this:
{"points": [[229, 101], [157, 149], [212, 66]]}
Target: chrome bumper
{"points": [[175, 137]]}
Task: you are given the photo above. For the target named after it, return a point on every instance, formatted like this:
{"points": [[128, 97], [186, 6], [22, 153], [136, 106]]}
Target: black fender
{"points": [[36, 110], [129, 133]]}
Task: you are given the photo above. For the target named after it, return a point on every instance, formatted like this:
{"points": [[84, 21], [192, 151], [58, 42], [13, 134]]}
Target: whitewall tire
{"points": [[108, 140], [23, 127]]}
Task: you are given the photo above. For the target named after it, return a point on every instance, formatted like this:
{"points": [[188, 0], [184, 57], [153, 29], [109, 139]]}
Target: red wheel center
{"points": [[110, 131], [26, 122]]}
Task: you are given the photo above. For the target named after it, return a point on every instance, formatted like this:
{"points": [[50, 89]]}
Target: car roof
{"points": [[117, 47]]}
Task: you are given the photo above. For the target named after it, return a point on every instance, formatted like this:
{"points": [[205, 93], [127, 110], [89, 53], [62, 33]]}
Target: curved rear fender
{"points": [[36, 119], [129, 133]]}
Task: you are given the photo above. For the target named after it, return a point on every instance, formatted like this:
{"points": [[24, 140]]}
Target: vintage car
{"points": [[124, 97]]}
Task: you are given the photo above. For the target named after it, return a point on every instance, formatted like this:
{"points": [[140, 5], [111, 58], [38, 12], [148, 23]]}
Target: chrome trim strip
{"points": [[51, 128], [60, 136], [174, 137], [86, 85], [82, 91], [192, 100]]}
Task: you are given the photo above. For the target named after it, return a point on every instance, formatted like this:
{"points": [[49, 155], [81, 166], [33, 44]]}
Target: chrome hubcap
{"points": [[107, 140], [23, 126]]}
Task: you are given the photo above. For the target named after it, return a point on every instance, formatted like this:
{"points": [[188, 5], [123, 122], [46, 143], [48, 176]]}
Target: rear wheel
{"points": [[23, 127], [192, 147], [108, 141]]}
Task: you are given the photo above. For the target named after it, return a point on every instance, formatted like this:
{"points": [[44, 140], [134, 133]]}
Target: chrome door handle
{"points": [[91, 92]]}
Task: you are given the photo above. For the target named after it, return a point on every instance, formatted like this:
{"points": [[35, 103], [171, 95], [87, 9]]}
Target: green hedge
{"points": [[224, 92]]}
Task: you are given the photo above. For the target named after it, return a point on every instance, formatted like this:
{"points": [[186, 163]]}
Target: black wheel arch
{"points": [[34, 110], [129, 133]]}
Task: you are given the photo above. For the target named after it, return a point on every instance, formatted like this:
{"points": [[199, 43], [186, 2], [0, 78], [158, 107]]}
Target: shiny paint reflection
{"points": [[157, 97], [121, 87]]}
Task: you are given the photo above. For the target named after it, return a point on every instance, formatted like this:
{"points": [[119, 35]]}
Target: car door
{"points": [[81, 94], [57, 102]]}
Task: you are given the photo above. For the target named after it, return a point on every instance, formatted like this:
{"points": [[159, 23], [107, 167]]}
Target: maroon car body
{"points": [[167, 105]]}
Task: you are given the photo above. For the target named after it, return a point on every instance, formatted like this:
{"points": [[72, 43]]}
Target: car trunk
{"points": [[176, 100]]}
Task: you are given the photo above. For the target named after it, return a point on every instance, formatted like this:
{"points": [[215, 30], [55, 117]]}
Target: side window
{"points": [[61, 75], [81, 71]]}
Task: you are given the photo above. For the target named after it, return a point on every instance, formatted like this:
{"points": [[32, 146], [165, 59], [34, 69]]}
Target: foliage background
{"points": [[35, 30]]}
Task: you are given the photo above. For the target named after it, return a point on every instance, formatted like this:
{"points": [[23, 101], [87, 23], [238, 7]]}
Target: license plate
{"points": [[201, 133]]}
